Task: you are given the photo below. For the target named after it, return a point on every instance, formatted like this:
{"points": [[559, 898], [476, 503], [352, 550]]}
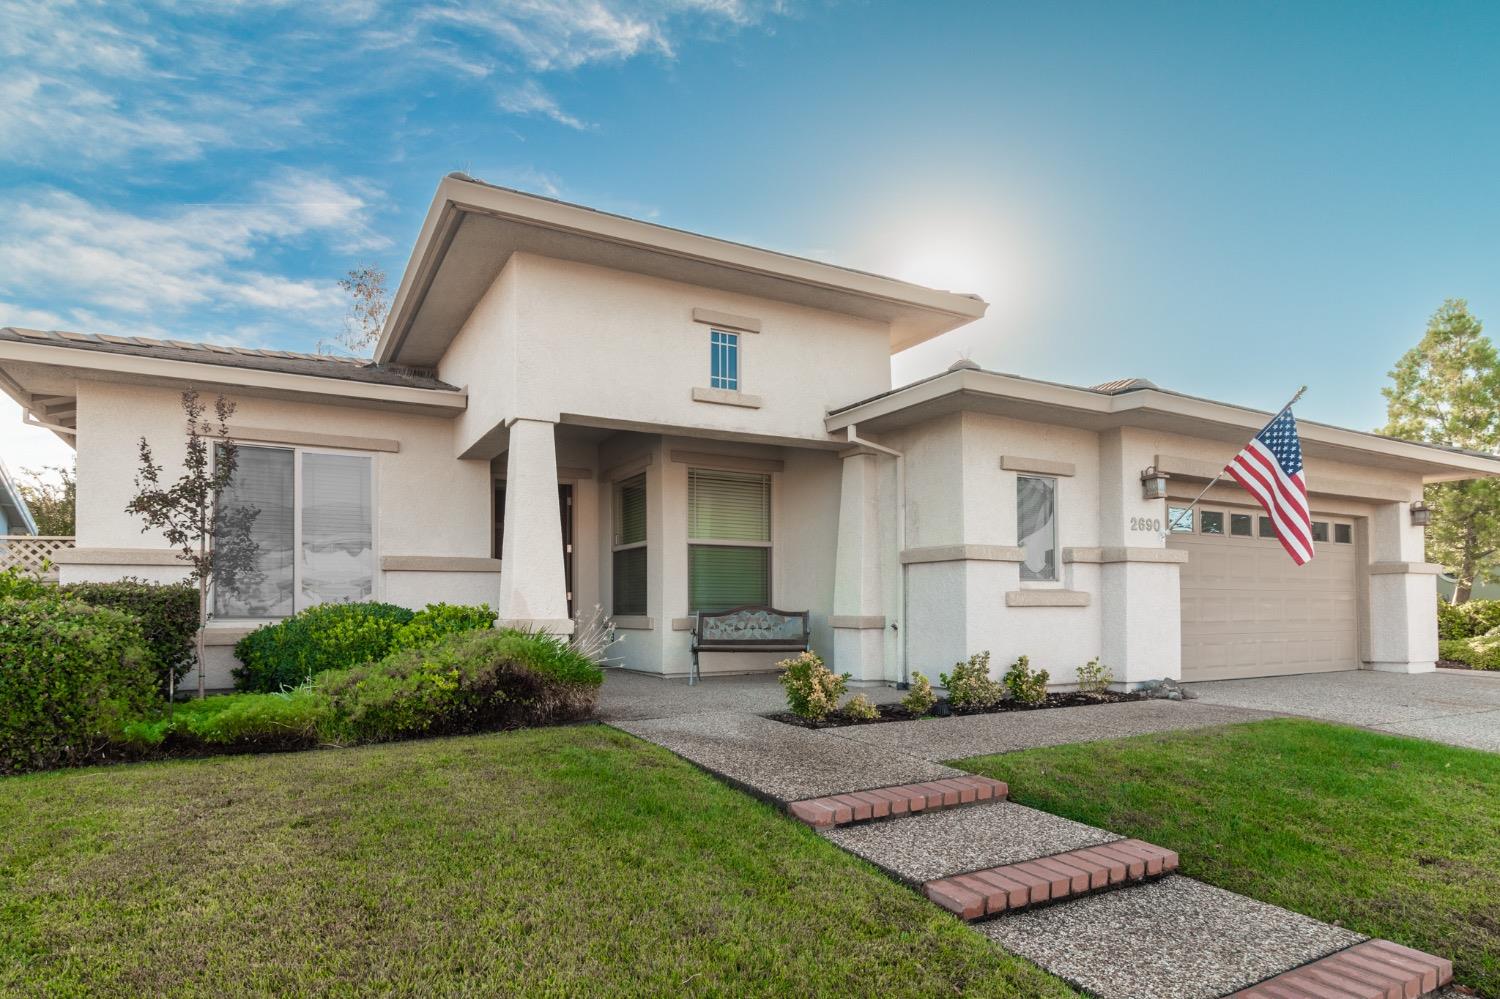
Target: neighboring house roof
{"points": [[17, 514], [1140, 403], [322, 365], [473, 228]]}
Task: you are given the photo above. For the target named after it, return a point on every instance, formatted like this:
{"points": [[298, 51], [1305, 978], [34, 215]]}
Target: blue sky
{"points": [[1229, 199]]}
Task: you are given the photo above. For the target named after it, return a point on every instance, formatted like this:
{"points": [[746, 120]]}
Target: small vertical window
{"points": [[1267, 529], [724, 360], [1036, 527], [1320, 530], [1180, 519], [1212, 522], [1239, 525], [629, 568], [1343, 534]]}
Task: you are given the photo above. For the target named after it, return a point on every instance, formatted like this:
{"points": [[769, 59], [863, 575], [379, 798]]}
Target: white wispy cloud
{"points": [[528, 98]]}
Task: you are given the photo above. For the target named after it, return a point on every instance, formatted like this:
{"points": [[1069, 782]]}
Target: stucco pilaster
{"points": [[1403, 593], [532, 580], [859, 614]]}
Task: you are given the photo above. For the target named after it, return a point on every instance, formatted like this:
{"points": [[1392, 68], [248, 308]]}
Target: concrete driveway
{"points": [[1461, 709]]}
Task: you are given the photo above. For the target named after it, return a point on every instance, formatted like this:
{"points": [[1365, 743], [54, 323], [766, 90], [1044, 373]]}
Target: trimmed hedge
{"points": [[1467, 620], [70, 677], [327, 637], [168, 613], [463, 682], [1480, 652]]}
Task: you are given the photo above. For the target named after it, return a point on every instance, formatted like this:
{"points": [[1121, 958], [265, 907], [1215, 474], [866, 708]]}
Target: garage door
{"points": [[1248, 610]]}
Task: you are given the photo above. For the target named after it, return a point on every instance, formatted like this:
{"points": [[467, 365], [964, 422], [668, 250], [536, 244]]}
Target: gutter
{"points": [[852, 436]]}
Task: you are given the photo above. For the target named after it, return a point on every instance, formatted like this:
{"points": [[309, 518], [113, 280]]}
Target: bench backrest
{"points": [[742, 625]]}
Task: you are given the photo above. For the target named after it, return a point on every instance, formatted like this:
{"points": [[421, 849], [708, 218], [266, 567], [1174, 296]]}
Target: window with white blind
{"points": [[629, 570], [729, 539], [1036, 527], [314, 531]]}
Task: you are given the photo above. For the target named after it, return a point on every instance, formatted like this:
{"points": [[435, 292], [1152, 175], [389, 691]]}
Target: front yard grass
{"points": [[1394, 837], [574, 861]]}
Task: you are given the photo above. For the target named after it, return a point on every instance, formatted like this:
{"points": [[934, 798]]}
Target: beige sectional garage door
{"points": [[1248, 610]]}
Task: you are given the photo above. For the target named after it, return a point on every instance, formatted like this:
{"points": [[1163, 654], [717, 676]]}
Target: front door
{"points": [[565, 514]]}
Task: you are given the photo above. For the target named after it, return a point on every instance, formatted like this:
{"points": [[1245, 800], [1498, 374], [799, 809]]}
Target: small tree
{"points": [[52, 501], [213, 538], [1446, 390], [368, 304]]}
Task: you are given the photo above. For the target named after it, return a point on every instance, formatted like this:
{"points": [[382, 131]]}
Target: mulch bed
{"points": [[895, 712]]}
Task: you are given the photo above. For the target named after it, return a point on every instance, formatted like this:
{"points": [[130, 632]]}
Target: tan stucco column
{"points": [[533, 587], [1403, 594], [859, 619]]}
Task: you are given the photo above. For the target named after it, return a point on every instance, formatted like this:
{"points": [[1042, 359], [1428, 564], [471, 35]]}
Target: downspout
{"points": [[852, 432]]}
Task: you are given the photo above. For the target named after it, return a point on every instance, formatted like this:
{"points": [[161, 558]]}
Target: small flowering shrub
{"points": [[812, 689], [970, 686], [861, 708], [1094, 678], [920, 698], [1024, 684]]}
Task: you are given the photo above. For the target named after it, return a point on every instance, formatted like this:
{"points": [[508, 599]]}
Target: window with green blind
{"points": [[629, 574], [729, 535]]}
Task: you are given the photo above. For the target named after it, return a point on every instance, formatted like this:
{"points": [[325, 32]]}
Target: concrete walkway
{"points": [[1458, 708], [1170, 938]]}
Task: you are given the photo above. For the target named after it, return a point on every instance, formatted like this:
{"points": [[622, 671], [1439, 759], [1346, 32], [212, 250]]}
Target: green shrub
{"points": [[1094, 678], [294, 719], [969, 685], [1482, 652], [812, 689], [168, 613], [1024, 684], [920, 698], [436, 620], [23, 585], [1484, 616], [70, 676], [463, 682], [861, 708], [1452, 621], [329, 636]]}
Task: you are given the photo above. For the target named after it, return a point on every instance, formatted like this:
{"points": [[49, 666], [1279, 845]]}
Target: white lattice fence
{"points": [[32, 552]]}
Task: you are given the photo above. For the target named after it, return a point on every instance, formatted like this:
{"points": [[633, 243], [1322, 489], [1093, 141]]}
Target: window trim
{"points": [[377, 587], [731, 348], [1056, 577]]}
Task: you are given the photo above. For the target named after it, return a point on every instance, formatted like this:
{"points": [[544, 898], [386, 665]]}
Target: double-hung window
{"points": [[1036, 527], [629, 570], [313, 526], [724, 360], [729, 539]]}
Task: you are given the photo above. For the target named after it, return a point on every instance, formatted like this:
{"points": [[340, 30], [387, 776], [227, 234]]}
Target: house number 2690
{"points": [[1145, 523]]}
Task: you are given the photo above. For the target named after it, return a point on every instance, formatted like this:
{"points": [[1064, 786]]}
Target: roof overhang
{"points": [[43, 379], [1152, 409], [473, 228], [12, 500]]}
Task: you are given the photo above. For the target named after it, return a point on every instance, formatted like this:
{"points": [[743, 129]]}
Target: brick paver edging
{"points": [[1377, 969], [995, 891], [902, 799]]}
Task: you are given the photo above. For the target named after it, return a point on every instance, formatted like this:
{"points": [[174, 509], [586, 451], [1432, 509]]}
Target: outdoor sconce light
{"points": [[1153, 483], [1421, 514]]}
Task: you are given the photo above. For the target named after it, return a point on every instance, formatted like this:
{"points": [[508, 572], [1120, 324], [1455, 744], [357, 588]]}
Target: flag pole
{"points": [[1187, 510]]}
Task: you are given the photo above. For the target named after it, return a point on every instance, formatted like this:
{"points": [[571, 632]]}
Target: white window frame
{"points": [[736, 347], [769, 545], [1056, 578], [377, 590]]}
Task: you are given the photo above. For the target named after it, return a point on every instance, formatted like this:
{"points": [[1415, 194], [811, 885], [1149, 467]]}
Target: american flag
{"points": [[1270, 467]]}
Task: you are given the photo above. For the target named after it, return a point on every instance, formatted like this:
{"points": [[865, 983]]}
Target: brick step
{"points": [[1375, 969], [893, 802], [995, 891]]}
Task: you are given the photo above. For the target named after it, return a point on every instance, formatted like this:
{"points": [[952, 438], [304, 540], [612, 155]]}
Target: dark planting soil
{"points": [[895, 712]]}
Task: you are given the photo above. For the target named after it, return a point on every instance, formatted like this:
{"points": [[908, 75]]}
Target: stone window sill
{"points": [[726, 397], [1047, 598], [632, 622]]}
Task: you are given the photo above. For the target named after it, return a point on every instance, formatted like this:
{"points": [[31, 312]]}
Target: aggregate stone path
{"points": [[1152, 935]]}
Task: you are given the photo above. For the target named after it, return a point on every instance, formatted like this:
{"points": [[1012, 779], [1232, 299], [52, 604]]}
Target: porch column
{"points": [[858, 613], [1403, 591], [533, 587]]}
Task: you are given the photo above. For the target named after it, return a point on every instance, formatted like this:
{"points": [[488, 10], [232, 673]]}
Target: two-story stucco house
{"points": [[569, 408]]}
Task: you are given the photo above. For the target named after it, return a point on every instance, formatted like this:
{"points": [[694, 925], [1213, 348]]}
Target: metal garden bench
{"points": [[749, 629]]}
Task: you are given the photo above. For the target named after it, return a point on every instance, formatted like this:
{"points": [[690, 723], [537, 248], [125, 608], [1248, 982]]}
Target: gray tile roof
{"points": [[354, 369]]}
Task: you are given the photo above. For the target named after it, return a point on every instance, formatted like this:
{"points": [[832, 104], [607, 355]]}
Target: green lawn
{"points": [[1398, 838], [573, 861]]}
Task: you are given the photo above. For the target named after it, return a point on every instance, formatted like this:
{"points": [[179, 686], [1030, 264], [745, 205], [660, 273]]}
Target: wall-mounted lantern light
{"points": [[1153, 483], [1421, 514]]}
